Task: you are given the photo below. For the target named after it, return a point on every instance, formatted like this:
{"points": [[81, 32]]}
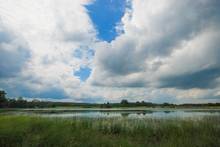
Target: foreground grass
{"points": [[29, 131]]}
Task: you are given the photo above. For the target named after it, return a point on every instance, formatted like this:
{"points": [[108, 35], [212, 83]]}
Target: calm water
{"points": [[176, 113]]}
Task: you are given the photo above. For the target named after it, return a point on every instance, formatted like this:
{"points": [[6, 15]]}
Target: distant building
{"points": [[2, 94]]}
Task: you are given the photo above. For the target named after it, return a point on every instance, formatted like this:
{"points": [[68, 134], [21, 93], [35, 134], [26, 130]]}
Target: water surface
{"points": [[121, 113]]}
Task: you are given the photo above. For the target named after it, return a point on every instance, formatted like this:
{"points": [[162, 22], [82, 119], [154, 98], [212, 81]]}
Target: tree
{"points": [[3, 100], [21, 103], [124, 102], [108, 105]]}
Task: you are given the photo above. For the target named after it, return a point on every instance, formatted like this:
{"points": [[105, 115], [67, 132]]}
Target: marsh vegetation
{"points": [[35, 131]]}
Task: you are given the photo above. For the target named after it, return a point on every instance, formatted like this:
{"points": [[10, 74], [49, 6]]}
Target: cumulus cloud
{"points": [[163, 41], [166, 51], [169, 47], [195, 64], [52, 30], [13, 54]]}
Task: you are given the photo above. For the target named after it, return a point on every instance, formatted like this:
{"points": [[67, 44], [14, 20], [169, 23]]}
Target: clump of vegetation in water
{"points": [[29, 131]]}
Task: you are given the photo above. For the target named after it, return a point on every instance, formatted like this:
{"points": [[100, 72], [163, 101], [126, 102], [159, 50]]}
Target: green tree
{"points": [[21, 103], [3, 99], [124, 102]]}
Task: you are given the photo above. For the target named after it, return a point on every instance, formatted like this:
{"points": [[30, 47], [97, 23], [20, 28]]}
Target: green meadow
{"points": [[33, 131]]}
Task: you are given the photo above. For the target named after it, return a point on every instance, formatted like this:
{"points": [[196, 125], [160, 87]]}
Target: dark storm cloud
{"points": [[131, 83], [4, 37], [13, 55], [12, 63], [121, 62], [201, 79], [19, 88]]}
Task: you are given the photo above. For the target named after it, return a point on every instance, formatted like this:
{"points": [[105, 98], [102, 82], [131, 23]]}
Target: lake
{"points": [[118, 113]]}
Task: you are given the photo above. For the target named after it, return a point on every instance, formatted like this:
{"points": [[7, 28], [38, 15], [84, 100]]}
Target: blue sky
{"points": [[105, 15], [108, 50], [83, 73]]}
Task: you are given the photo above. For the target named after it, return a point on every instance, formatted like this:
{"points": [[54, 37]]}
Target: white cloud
{"points": [[53, 30], [160, 44], [170, 44]]}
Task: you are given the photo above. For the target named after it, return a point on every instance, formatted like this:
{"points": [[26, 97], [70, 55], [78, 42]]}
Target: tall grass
{"points": [[29, 131]]}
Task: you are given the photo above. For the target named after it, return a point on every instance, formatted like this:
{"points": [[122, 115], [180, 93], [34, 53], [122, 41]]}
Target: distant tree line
{"points": [[126, 103], [22, 103]]}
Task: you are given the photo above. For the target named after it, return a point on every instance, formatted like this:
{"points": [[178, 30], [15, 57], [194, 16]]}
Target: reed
{"points": [[27, 131]]}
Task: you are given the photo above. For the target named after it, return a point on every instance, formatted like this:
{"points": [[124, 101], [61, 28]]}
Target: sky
{"points": [[106, 50]]}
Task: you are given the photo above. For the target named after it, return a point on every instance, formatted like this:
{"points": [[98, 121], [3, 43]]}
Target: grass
{"points": [[26, 131]]}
